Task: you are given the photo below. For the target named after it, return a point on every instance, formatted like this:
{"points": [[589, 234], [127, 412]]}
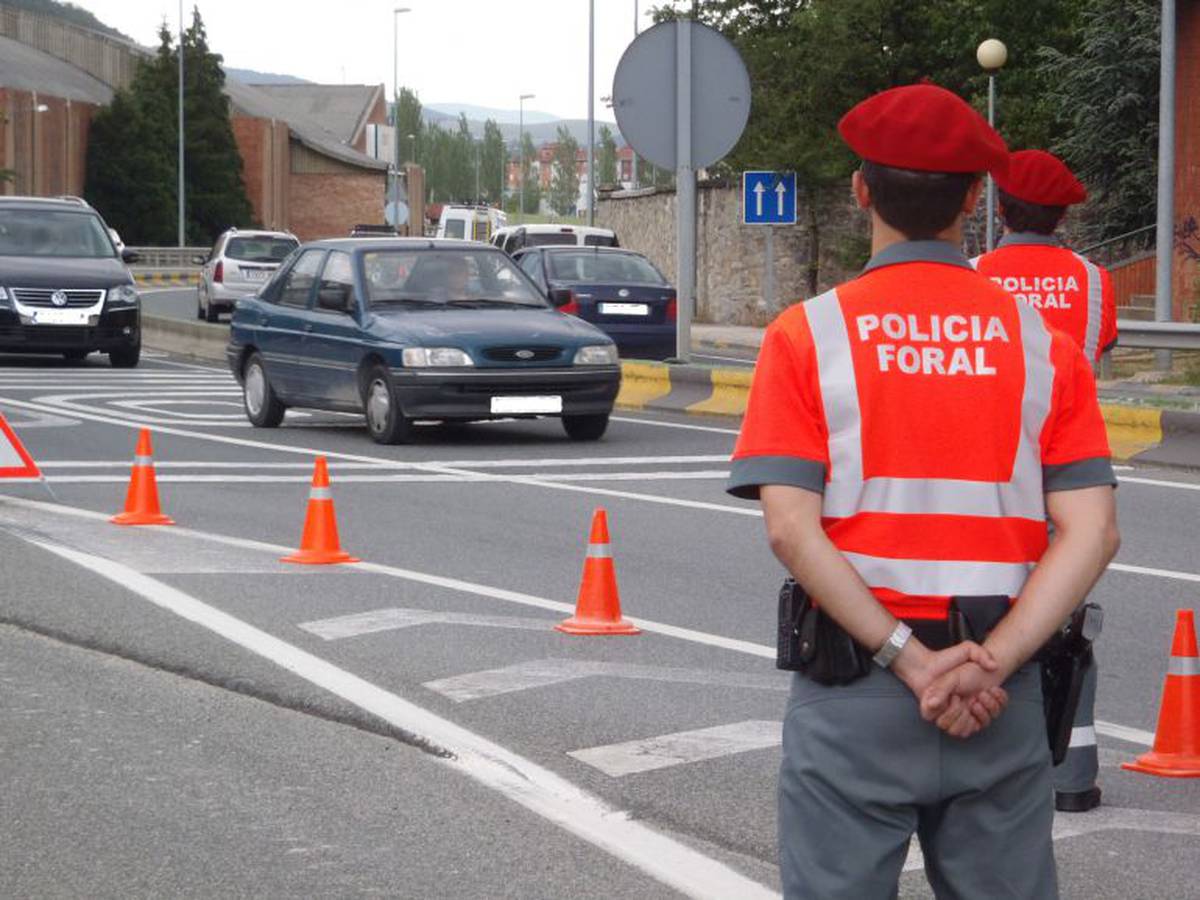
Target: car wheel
{"points": [[385, 420], [263, 407], [211, 313], [199, 305], [125, 357], [75, 355], [585, 428]]}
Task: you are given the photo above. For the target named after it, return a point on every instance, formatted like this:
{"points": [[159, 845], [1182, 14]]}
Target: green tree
{"points": [[216, 194], [606, 160], [564, 182], [533, 184], [406, 115], [1108, 89], [493, 162]]}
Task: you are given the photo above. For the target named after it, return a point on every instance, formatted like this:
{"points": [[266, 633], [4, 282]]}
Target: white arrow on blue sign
{"points": [[769, 198]]}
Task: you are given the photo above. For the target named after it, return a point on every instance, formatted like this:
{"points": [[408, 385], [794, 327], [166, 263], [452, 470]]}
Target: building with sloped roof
{"points": [[302, 152]]}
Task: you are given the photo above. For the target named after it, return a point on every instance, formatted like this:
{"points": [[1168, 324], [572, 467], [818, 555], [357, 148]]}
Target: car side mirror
{"points": [[199, 259], [130, 256], [336, 297], [558, 297]]}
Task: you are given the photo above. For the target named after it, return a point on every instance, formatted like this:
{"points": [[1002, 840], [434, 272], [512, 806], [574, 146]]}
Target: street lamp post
{"points": [[396, 13], [521, 141], [591, 150], [992, 55]]}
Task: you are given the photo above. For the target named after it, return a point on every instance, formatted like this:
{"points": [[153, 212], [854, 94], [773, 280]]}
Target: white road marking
{"points": [[390, 619], [539, 673], [1124, 733], [397, 479], [682, 747], [534, 787], [1157, 482], [40, 420], [49, 512], [684, 425], [747, 363], [1157, 573], [399, 464]]}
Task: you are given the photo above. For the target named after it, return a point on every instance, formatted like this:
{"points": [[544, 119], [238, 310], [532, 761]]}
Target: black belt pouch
{"points": [[813, 644]]}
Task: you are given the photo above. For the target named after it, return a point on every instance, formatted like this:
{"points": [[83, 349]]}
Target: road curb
{"points": [[166, 278], [199, 340]]}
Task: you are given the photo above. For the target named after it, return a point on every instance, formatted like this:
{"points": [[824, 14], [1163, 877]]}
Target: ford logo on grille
{"points": [[524, 354], [623, 292], [59, 298]]}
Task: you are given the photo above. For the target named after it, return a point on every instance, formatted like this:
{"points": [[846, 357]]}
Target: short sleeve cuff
{"points": [[752, 472], [1074, 476]]}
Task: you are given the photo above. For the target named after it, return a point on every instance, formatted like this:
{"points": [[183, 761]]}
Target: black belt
{"points": [[967, 617], [933, 633]]}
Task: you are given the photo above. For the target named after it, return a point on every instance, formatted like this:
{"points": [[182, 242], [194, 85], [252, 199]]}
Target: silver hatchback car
{"points": [[239, 264]]}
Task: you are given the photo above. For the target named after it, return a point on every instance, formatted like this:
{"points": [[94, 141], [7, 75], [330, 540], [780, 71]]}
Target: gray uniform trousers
{"points": [[862, 771], [1077, 773]]}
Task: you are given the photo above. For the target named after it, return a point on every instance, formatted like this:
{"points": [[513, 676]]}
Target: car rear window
{"points": [[54, 232], [603, 268], [553, 239], [600, 240], [263, 250]]}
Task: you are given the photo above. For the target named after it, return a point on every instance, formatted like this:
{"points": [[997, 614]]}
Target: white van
{"points": [[518, 237], [470, 223]]}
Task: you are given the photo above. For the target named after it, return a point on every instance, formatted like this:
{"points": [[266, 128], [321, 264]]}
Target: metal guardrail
{"points": [[1158, 335], [167, 257]]}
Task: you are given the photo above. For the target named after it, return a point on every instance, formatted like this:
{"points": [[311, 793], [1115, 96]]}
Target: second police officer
{"points": [[1076, 296], [908, 435]]}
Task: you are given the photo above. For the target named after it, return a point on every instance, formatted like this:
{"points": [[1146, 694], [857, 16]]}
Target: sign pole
{"points": [[685, 192], [769, 275]]}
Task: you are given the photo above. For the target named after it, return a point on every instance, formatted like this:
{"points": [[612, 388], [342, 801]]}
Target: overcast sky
{"points": [[485, 52]]}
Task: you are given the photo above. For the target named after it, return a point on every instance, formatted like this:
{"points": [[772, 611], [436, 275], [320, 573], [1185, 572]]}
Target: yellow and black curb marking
{"points": [[167, 279], [1141, 433]]}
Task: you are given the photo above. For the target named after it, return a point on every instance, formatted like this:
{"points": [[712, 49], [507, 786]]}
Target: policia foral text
{"points": [[909, 435]]}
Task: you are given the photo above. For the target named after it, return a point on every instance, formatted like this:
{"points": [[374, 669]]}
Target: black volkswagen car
{"points": [[64, 288], [412, 329]]}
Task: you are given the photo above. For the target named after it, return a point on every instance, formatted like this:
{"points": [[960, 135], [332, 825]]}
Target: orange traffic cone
{"points": [[319, 545], [598, 609], [1176, 752], [141, 500]]}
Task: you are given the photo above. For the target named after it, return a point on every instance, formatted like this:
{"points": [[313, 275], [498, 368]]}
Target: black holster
{"points": [[1065, 660], [812, 643]]}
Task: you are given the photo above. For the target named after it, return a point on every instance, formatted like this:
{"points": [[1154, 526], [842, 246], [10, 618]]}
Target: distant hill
{"points": [[250, 76], [445, 115], [67, 12], [483, 113]]}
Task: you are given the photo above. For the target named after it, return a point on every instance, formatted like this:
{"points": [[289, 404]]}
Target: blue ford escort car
{"points": [[404, 330]]}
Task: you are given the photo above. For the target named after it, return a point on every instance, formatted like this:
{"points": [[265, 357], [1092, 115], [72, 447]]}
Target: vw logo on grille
{"points": [[59, 298], [524, 354]]}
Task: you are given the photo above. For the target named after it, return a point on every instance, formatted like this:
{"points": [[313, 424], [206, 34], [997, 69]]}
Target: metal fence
{"points": [[167, 257], [1158, 335]]}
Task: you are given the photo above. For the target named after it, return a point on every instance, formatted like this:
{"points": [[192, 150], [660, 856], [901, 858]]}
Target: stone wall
{"points": [[731, 257]]}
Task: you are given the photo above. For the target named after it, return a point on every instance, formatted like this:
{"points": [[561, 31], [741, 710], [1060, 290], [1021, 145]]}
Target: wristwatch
{"points": [[893, 645]]}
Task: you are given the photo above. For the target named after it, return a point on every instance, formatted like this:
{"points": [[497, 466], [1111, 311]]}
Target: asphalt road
{"points": [[185, 714]]}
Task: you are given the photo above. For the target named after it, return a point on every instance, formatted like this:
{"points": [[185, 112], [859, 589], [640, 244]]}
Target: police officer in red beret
{"points": [[908, 434], [1076, 296]]}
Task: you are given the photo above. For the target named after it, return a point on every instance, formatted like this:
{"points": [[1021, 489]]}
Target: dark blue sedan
{"points": [[408, 330], [619, 291]]}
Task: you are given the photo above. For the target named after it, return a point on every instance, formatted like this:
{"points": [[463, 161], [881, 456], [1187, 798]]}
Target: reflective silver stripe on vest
{"points": [[599, 551], [143, 460], [320, 493], [1095, 308], [940, 578], [848, 492], [839, 388], [1183, 665]]}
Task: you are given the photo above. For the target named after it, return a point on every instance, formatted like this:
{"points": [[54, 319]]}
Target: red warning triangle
{"points": [[15, 461]]}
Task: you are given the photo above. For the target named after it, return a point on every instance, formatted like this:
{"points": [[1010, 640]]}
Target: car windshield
{"points": [[446, 278], [603, 268], [54, 232], [260, 249]]}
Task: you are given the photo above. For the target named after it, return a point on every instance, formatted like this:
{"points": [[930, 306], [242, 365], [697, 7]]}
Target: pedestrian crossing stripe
{"points": [[15, 461]]}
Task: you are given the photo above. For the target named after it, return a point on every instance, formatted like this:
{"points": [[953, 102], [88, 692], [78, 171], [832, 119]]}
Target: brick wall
{"points": [[1186, 266], [47, 150], [263, 145], [326, 205], [1132, 277]]}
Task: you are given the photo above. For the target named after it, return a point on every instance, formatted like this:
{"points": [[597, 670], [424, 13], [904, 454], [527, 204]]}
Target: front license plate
{"points": [[526, 405], [59, 317], [624, 309]]}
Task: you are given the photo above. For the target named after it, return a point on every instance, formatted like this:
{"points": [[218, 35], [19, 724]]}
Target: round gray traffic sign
{"points": [[645, 90]]}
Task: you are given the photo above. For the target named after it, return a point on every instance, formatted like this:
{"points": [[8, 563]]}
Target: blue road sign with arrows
{"points": [[769, 198]]}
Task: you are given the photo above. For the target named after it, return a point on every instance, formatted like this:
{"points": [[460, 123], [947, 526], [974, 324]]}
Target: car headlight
{"points": [[439, 357], [5, 303], [122, 295], [597, 355]]}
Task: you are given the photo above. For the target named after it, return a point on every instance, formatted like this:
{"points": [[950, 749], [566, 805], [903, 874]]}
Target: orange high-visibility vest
{"points": [[933, 412], [1072, 293]]}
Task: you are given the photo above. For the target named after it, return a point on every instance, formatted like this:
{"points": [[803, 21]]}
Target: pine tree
{"points": [[533, 184], [564, 184], [606, 162], [493, 163]]}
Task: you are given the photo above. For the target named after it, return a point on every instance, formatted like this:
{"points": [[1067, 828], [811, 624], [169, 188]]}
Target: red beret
{"points": [[1036, 176], [923, 127]]}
